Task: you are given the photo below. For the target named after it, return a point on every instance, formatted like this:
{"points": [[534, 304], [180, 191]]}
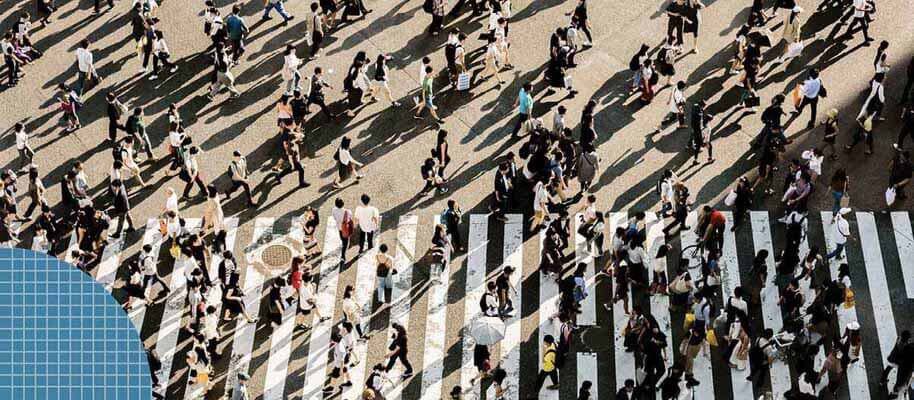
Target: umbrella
{"points": [[487, 330]]}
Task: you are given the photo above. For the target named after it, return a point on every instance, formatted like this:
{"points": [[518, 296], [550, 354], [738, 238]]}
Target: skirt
{"points": [[344, 170]]}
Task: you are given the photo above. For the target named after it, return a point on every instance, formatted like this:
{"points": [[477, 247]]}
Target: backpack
{"points": [[634, 64], [795, 229]]}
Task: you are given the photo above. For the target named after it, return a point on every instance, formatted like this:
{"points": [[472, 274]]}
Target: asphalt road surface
{"points": [[392, 145]]}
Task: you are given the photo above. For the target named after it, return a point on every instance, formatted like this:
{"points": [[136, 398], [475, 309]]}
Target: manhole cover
{"points": [[596, 338], [276, 256]]}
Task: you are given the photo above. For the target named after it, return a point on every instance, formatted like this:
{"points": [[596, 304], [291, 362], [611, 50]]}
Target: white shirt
{"points": [[337, 213], [876, 90], [815, 163], [367, 217], [811, 88], [292, 62], [345, 157], [84, 60], [842, 230], [161, 47], [175, 138], [305, 296], [22, 139], [493, 20], [675, 100], [422, 73], [147, 264], [171, 203], [539, 197], [859, 8]]}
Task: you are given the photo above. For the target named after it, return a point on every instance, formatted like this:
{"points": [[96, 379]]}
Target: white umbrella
{"points": [[487, 330]]}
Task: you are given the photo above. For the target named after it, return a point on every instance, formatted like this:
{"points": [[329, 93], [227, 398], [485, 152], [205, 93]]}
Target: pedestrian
{"points": [[191, 174], [70, 107], [277, 5], [222, 64], [841, 234], [648, 79], [346, 164], [238, 172], [382, 78], [626, 392], [580, 18], [13, 61], [315, 28], [676, 107], [237, 31], [861, 11], [85, 66], [547, 368], [666, 60], [701, 133], [438, 9], [136, 127], [26, 154], [635, 64], [427, 96], [675, 13], [240, 390], [352, 313], [398, 350], [162, 55], [899, 175], [36, 192], [492, 62], [121, 206], [368, 219], [344, 225], [115, 110], [450, 218], [384, 271], [431, 176], [524, 104], [441, 250], [874, 103], [811, 89]]}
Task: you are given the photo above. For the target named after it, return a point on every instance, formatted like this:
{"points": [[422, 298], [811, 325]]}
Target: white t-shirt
{"points": [[366, 216], [22, 139], [842, 230], [677, 99], [292, 63], [539, 196], [345, 157], [175, 138], [171, 203], [84, 59], [859, 8], [337, 214]]}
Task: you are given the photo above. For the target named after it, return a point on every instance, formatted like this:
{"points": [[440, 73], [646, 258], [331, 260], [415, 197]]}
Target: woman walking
{"points": [[345, 164], [381, 77]]}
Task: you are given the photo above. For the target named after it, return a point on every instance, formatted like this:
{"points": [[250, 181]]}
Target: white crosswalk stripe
{"points": [[510, 346], [153, 238], [771, 311], [364, 282], [319, 345], [588, 315], [904, 240], [701, 367], [252, 282], [877, 290], [400, 293], [173, 316], [436, 318], [856, 372], [475, 287], [281, 338]]}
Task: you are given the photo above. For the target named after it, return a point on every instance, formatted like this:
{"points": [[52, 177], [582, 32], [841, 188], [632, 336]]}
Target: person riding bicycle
{"points": [[711, 224]]}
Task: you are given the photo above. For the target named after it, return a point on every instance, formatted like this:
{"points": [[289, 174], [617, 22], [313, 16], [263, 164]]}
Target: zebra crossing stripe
{"points": [[587, 371], [364, 280], [588, 315], [771, 310], [152, 237], [730, 279], [167, 340], [856, 373], [701, 367], [904, 240], [107, 267], [436, 319], [215, 295], [624, 361], [475, 287], [878, 285], [660, 305], [510, 345], [281, 337], [316, 372], [549, 295], [253, 291], [400, 293]]}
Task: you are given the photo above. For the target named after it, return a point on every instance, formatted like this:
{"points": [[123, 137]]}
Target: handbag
{"points": [[567, 82], [347, 226], [849, 298], [845, 198], [175, 251], [463, 81], [797, 96], [730, 200], [688, 321], [890, 195], [711, 337]]}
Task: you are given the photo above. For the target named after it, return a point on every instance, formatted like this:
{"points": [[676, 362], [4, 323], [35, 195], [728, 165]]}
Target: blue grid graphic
{"points": [[62, 336]]}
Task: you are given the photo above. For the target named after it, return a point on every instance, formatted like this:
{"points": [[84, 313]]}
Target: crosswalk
{"points": [[881, 259]]}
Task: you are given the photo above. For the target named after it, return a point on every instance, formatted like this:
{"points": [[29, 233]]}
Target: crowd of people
{"points": [[538, 180]]}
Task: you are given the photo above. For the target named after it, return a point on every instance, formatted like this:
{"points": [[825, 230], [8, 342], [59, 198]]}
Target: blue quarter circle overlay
{"points": [[63, 336]]}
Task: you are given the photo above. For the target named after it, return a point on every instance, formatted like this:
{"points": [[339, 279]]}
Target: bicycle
{"points": [[695, 254]]}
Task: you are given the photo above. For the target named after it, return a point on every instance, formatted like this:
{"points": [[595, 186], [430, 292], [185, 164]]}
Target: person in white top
{"points": [[22, 145], [161, 55], [841, 234], [342, 356], [352, 312], [86, 66], [812, 89], [492, 61], [861, 9], [872, 107], [340, 216], [540, 205], [676, 105], [171, 201], [239, 175], [425, 63], [815, 159], [368, 219], [147, 262], [290, 72]]}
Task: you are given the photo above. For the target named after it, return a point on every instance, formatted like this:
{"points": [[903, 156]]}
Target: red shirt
{"points": [[718, 219]]}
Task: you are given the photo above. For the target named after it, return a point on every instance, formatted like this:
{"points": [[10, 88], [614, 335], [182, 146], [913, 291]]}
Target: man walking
{"points": [[237, 30], [548, 366], [861, 10], [278, 6], [137, 128], [86, 66], [368, 220], [238, 169], [22, 146], [224, 77], [344, 225], [812, 89], [121, 206], [524, 106]]}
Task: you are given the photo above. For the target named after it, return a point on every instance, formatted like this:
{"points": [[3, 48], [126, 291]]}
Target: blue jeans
{"points": [[81, 78], [838, 249], [836, 206], [279, 8]]}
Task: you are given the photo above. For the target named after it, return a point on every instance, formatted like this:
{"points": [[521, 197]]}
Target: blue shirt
{"points": [[525, 101], [235, 26]]}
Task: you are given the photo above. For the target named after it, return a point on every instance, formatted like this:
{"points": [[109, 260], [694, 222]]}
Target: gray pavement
{"points": [[392, 144]]}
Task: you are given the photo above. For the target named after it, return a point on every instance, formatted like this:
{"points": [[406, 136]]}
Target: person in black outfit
{"points": [[907, 127], [299, 105], [580, 16], [399, 351], [98, 5], [700, 119], [317, 92], [901, 170], [503, 187], [115, 112], [121, 206], [353, 8], [588, 134], [909, 83], [675, 11], [293, 157]]}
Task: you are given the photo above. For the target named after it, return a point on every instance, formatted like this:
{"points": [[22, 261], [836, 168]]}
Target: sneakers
{"points": [[153, 77], [173, 69]]}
